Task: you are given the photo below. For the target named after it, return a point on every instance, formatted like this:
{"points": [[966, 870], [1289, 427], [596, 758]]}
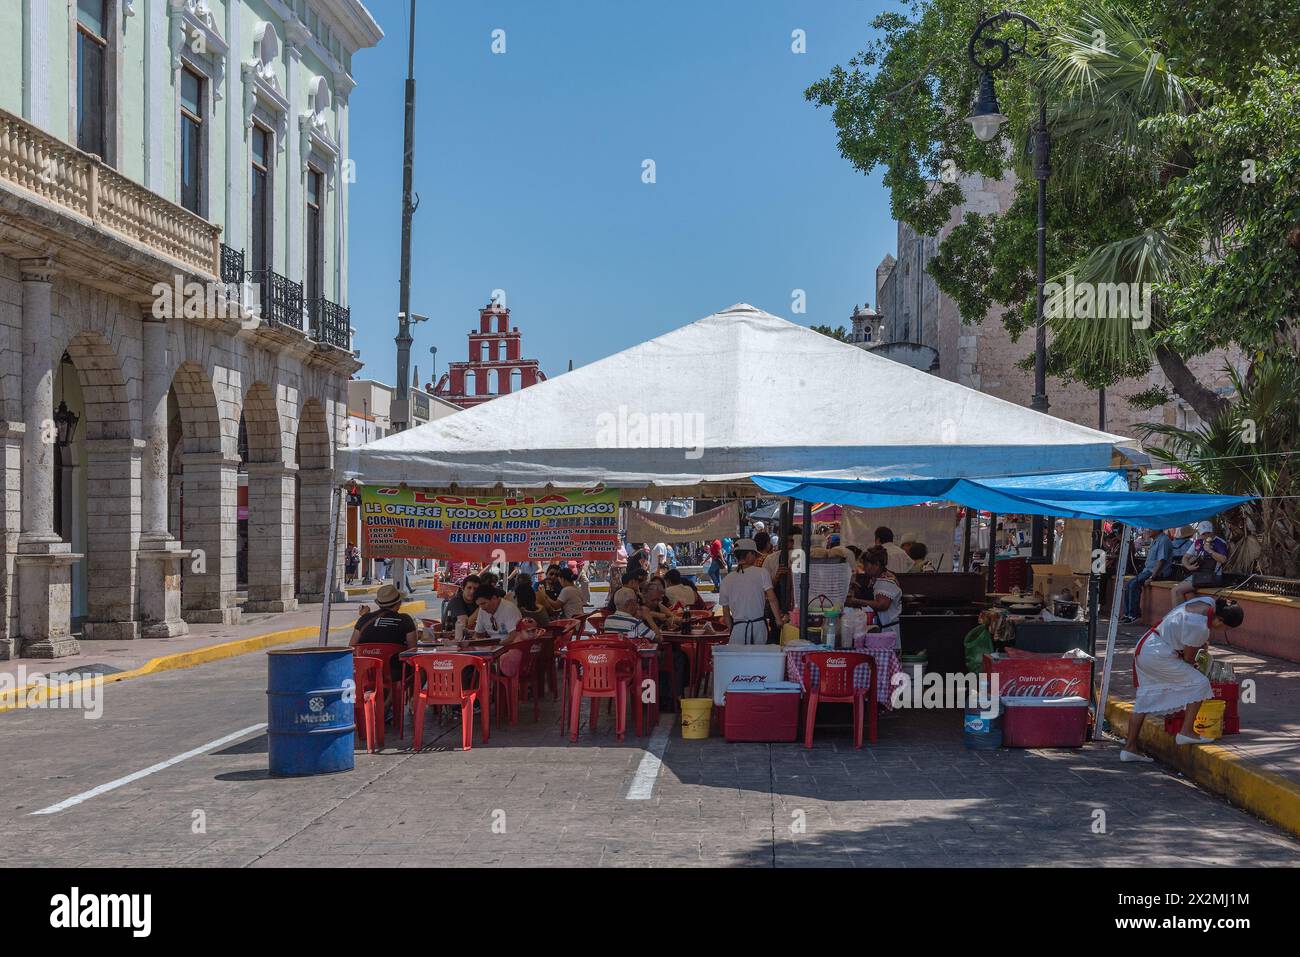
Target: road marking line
{"points": [[647, 772], [153, 769]]}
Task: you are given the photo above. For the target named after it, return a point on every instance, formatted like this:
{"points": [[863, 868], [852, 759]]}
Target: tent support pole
{"points": [[1111, 632], [787, 516], [805, 546], [329, 568], [991, 553], [965, 542]]}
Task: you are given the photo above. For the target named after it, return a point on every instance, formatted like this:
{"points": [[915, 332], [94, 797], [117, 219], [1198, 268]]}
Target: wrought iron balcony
{"points": [[280, 297], [330, 322], [232, 265]]}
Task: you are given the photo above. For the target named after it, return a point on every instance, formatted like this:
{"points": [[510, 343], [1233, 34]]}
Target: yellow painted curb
{"points": [[31, 694], [1261, 792]]}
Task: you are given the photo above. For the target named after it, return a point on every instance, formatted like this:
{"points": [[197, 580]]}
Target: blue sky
{"points": [[529, 172]]}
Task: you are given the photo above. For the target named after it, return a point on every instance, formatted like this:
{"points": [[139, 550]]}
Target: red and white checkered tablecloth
{"points": [[887, 665]]}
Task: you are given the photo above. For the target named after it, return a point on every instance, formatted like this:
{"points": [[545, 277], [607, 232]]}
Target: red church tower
{"points": [[494, 367]]}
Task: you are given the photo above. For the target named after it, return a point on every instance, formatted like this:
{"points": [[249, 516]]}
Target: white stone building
{"points": [[148, 146]]}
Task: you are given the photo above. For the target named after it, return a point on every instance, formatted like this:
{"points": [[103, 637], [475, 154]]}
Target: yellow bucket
{"points": [[696, 713], [1209, 719]]}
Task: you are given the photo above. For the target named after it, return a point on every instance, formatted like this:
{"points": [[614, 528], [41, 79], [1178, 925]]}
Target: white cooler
{"points": [[749, 664]]}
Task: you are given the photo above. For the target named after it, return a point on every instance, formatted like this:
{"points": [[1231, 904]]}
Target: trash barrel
{"points": [[310, 711]]}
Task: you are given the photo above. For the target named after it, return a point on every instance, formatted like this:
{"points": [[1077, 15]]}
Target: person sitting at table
{"points": [[387, 626], [743, 594], [570, 595], [633, 579], [886, 594], [461, 606], [528, 601], [656, 610], [496, 618], [682, 592], [918, 552], [627, 619]]}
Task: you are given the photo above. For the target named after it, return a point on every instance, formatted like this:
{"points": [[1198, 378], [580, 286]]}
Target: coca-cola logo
{"points": [[837, 662], [1040, 686], [750, 678], [443, 665], [597, 659]]}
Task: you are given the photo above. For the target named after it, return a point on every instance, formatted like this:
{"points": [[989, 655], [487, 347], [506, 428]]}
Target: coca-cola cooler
{"points": [[1023, 674], [743, 664], [1033, 721], [762, 711]]}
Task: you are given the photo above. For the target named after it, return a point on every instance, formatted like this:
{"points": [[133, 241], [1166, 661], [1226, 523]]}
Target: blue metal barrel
{"points": [[310, 724]]}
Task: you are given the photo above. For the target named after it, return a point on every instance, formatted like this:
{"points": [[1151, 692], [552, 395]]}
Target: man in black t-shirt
{"points": [[387, 626]]}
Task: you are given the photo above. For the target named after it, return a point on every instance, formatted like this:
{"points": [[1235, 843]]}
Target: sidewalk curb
{"points": [[31, 694], [1254, 789]]}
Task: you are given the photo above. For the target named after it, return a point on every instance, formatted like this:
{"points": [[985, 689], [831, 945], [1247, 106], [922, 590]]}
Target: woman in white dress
{"points": [[1165, 677]]}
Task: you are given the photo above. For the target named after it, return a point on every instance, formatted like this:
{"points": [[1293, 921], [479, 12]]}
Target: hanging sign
{"points": [[536, 526]]}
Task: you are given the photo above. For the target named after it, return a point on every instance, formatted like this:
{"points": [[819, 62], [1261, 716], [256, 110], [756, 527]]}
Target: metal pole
{"points": [[1110, 636], [1042, 170], [965, 542], [991, 553], [329, 568], [806, 546], [402, 388]]}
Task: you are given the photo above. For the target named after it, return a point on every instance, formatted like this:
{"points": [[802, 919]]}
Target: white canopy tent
{"points": [[699, 410]]}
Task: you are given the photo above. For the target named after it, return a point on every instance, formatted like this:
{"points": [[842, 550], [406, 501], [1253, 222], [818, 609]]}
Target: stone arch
{"points": [[315, 481], [103, 387], [208, 500], [272, 501], [113, 460]]}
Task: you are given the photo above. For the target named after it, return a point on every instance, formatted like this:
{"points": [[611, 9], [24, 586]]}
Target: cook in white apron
{"points": [[742, 595], [1164, 678]]}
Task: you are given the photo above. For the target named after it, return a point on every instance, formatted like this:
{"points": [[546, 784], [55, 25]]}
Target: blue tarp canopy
{"points": [[1096, 494]]}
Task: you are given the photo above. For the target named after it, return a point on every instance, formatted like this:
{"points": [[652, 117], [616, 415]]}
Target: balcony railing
{"points": [[78, 183], [281, 298], [232, 265], [330, 322]]}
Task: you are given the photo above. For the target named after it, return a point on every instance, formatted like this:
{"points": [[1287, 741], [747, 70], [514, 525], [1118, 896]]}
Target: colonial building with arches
{"points": [[175, 343]]}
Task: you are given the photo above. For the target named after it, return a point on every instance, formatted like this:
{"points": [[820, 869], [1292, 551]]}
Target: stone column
{"points": [[113, 538], [210, 488], [44, 559], [271, 553], [160, 554], [314, 534], [11, 497]]}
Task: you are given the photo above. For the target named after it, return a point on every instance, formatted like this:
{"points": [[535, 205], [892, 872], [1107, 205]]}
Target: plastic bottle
{"points": [[1203, 661]]}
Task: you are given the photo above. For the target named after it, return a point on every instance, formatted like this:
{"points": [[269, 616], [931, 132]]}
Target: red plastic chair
{"points": [[368, 704], [559, 632], [440, 679], [601, 671], [394, 689], [517, 670], [835, 671]]}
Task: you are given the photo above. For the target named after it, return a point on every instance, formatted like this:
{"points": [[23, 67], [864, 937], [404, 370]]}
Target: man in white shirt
{"points": [[743, 594], [658, 556], [496, 618], [899, 560]]}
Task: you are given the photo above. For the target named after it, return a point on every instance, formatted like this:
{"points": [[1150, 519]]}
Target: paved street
{"points": [[917, 798]]}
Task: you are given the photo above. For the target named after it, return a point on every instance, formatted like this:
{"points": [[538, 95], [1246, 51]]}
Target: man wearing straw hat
{"points": [[386, 626]]}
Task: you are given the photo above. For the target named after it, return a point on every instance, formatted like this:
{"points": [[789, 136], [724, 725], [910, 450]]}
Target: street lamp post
{"points": [[986, 119]]}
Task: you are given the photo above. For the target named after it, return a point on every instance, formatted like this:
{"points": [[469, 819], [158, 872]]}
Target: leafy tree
{"points": [[1154, 108], [839, 332]]}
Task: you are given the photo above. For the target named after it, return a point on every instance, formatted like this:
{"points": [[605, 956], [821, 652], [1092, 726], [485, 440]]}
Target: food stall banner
{"points": [[936, 528], [720, 522], [403, 522]]}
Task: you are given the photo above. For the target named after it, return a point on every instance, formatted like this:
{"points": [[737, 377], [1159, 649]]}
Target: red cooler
{"points": [[762, 711], [1037, 722]]}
